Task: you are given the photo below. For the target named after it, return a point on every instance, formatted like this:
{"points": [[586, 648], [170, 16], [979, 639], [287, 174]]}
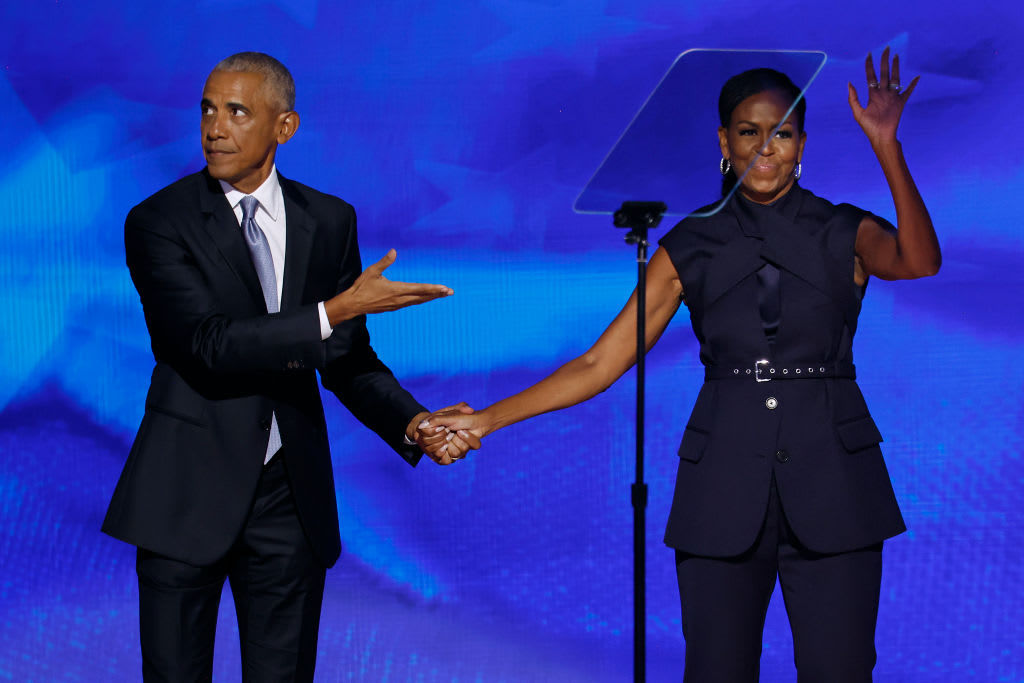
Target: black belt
{"points": [[766, 371]]}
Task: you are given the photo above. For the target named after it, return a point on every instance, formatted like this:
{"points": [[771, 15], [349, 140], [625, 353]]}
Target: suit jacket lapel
{"points": [[222, 227], [786, 245], [730, 266], [300, 228], [738, 256], [789, 246]]}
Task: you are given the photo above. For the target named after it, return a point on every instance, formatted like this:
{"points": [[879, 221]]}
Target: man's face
{"points": [[241, 126]]}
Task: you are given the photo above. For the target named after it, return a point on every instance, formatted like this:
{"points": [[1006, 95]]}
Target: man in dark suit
{"points": [[250, 284]]}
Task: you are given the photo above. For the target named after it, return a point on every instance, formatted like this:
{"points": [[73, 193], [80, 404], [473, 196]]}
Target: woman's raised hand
{"points": [[880, 118]]}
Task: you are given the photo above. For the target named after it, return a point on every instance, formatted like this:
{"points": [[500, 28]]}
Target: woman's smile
{"points": [[763, 152]]}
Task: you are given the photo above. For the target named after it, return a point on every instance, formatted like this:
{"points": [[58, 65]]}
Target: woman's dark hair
{"points": [[743, 85]]}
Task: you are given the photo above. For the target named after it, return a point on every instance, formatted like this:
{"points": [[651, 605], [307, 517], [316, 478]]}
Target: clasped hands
{"points": [[445, 436]]}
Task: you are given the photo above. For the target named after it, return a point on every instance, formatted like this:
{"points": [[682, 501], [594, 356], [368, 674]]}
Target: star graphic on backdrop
{"points": [[510, 207], [64, 279]]}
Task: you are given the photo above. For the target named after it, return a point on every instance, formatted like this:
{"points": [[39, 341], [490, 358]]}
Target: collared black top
{"points": [[833, 483]]}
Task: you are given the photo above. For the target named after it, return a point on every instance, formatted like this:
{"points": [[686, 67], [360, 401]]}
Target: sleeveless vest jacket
{"points": [[789, 410]]}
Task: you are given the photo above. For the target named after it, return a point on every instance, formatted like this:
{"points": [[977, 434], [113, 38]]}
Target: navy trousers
{"points": [[831, 601], [277, 585]]}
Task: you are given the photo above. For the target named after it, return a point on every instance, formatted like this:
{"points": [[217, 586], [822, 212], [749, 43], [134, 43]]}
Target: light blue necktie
{"points": [[259, 250]]}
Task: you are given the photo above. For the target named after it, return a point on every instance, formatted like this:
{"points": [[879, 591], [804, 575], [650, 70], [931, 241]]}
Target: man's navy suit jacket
{"points": [[224, 366]]}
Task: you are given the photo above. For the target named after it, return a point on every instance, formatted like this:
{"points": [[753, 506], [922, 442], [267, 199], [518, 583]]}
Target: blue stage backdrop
{"points": [[462, 132]]}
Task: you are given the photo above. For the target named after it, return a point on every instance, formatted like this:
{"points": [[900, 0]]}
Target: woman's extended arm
{"points": [[591, 373], [913, 250]]}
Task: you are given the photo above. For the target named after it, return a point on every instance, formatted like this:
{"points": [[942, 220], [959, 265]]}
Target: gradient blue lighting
{"points": [[463, 132]]}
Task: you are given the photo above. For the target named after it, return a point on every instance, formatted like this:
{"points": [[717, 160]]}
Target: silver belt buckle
{"points": [[758, 364]]}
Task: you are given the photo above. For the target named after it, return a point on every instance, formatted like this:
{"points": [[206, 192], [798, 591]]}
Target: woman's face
{"points": [[771, 174]]}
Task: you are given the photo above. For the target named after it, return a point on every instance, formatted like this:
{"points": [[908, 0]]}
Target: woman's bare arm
{"points": [[911, 251], [589, 374]]}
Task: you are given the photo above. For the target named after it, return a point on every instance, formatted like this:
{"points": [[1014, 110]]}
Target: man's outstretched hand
{"points": [[374, 293]]}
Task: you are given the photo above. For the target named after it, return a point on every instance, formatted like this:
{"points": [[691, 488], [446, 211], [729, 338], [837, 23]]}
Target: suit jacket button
{"points": [[771, 403], [265, 424], [782, 456]]}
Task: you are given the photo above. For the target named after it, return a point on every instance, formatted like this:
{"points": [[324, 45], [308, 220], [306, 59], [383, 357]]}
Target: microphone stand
{"points": [[639, 217]]}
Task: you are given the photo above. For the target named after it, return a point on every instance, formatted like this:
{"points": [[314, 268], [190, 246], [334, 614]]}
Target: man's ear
{"points": [[287, 124]]}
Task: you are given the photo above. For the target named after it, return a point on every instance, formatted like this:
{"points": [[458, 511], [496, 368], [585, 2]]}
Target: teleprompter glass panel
{"points": [[670, 150]]}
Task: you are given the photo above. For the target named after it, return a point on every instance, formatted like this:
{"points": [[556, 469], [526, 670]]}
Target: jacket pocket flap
{"points": [[171, 395], [693, 444], [859, 434]]}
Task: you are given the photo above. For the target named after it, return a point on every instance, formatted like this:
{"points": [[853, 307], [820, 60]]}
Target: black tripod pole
{"points": [[639, 217], [639, 488]]}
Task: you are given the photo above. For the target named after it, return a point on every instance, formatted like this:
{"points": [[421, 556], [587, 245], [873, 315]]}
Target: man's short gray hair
{"points": [[278, 78]]}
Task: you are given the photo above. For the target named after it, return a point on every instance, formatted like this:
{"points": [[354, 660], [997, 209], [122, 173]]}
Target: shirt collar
{"points": [[268, 194], [756, 219]]}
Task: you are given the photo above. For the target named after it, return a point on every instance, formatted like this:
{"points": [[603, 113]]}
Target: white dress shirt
{"points": [[270, 216]]}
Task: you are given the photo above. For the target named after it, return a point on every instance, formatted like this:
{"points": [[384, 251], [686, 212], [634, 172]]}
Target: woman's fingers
{"points": [[869, 71], [854, 101], [466, 440], [910, 88]]}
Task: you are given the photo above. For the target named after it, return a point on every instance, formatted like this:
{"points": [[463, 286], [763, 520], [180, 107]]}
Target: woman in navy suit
{"points": [[780, 470]]}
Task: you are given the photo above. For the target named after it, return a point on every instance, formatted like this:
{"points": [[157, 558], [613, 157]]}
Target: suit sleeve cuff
{"points": [[325, 324]]}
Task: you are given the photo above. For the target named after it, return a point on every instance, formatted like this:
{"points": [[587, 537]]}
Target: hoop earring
{"points": [[724, 166], [798, 170]]}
